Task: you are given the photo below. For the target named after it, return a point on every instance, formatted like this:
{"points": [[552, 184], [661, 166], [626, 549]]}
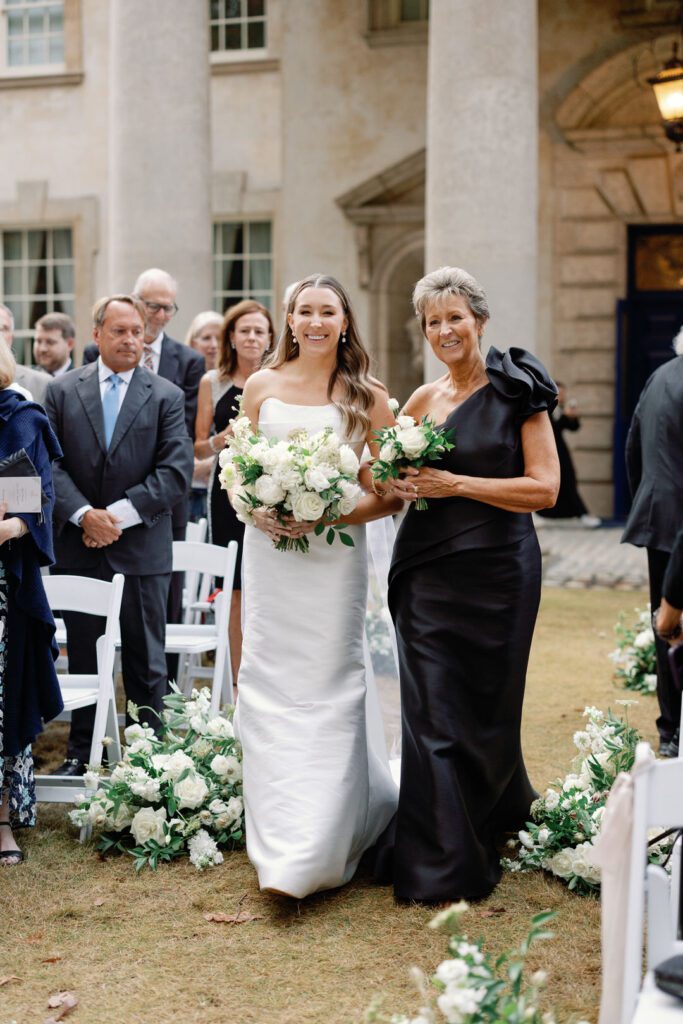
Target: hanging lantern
{"points": [[668, 87]]}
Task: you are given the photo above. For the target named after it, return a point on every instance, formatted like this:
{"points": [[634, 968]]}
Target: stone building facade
{"points": [[241, 144]]}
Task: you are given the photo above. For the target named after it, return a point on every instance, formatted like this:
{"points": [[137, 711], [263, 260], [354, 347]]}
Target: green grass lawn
{"points": [[137, 948]]}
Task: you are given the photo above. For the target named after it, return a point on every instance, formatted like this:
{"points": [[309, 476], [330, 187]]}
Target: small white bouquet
{"points": [[409, 443], [307, 477], [635, 656], [174, 795]]}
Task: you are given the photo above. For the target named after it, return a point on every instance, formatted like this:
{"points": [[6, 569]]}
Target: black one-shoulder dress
{"points": [[464, 591]]}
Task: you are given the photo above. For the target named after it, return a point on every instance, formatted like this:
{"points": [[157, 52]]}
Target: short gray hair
{"points": [[450, 281], [100, 308], [10, 314], [153, 276]]}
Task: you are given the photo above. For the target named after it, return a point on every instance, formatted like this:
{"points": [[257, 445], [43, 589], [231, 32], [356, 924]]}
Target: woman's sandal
{"points": [[11, 857]]}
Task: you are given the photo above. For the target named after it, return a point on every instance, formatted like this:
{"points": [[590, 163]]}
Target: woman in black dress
{"points": [[247, 336], [464, 592], [569, 504]]}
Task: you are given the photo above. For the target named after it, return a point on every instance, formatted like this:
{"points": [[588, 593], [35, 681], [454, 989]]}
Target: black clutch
{"points": [[19, 464], [669, 976]]}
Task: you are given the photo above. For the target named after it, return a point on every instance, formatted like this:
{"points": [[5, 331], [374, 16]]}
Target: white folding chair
{"points": [[195, 533], [191, 640], [657, 801], [90, 597]]}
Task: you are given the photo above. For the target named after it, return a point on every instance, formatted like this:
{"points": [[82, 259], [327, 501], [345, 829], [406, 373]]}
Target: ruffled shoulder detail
{"points": [[521, 377]]}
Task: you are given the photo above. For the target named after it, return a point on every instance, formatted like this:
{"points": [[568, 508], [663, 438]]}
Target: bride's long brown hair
{"points": [[353, 363]]}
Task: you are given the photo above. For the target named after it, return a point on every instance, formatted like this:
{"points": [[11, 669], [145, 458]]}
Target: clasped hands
{"points": [[276, 526], [421, 483], [100, 528]]}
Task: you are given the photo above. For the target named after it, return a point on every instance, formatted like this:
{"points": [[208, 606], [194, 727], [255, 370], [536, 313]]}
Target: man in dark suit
{"points": [[127, 461], [53, 343], [184, 367], [654, 460]]}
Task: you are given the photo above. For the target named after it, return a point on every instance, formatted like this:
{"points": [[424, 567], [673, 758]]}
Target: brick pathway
{"points": [[577, 557]]}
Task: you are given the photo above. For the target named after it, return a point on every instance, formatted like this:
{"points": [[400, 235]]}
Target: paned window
{"points": [[414, 10], [34, 32], [37, 278], [237, 24], [242, 263]]}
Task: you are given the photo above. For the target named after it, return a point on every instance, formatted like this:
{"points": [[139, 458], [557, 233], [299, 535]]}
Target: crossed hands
{"points": [[421, 483], [100, 528], [275, 526]]}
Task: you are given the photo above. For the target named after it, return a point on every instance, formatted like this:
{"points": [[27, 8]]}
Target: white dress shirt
{"points": [[68, 365], [156, 352], [123, 509]]}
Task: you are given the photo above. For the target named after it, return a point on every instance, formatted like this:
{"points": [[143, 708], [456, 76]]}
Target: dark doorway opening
{"points": [[647, 322]]}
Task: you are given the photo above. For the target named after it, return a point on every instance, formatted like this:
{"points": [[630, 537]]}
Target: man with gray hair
{"points": [[32, 380], [654, 462]]}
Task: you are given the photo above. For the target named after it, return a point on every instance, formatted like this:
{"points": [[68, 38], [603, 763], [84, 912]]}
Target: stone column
{"points": [[159, 148], [482, 157]]}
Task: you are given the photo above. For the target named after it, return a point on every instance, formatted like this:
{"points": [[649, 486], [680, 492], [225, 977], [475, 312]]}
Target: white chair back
{"points": [[657, 802], [195, 533]]}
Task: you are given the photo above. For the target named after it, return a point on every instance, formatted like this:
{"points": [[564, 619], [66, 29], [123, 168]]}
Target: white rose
{"points": [[137, 732], [351, 495], [268, 490], [191, 791], [394, 405], [91, 780], [644, 639], [561, 864], [412, 441], [405, 422], [221, 728], [287, 476], [235, 808], [140, 747], [97, 814], [543, 836], [148, 824], [552, 799], [160, 761], [316, 480], [526, 840], [387, 452], [348, 461], [177, 763], [308, 506], [121, 819], [227, 767]]}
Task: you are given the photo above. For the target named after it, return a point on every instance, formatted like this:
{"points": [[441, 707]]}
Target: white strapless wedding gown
{"points": [[317, 789]]}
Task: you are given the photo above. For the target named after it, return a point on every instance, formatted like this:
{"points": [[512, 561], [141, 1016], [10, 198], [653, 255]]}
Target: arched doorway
{"points": [[400, 345]]}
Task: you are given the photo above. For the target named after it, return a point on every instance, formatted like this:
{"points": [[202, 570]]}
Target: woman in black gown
{"points": [[464, 592], [247, 335]]}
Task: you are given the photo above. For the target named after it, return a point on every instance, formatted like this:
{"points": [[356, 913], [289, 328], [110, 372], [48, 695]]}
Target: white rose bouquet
{"points": [[409, 443], [566, 822], [472, 986], [308, 477], [635, 657], [174, 795]]}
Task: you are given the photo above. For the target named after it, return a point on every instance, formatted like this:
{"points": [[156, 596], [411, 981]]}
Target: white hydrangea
{"points": [[452, 972], [203, 850], [552, 799]]}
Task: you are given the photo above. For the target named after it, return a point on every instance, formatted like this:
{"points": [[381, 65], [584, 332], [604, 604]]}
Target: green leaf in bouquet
{"points": [[346, 539], [319, 528], [330, 536]]}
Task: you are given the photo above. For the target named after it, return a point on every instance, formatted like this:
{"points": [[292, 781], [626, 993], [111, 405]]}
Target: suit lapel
{"points": [[168, 362], [88, 390], [139, 391]]}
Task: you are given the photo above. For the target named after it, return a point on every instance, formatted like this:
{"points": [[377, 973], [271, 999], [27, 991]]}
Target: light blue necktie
{"points": [[110, 407]]}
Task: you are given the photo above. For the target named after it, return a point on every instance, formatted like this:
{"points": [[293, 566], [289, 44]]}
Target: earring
{"points": [[343, 338], [294, 341], [232, 347]]}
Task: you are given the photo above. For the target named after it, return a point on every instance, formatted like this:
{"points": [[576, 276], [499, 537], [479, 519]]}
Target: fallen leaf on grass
{"points": [[243, 917], [492, 912], [33, 937], [64, 1002], [9, 977], [51, 960], [98, 903]]}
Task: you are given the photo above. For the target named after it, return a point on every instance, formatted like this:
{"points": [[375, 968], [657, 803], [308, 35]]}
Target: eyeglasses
{"points": [[4, 329], [160, 307]]}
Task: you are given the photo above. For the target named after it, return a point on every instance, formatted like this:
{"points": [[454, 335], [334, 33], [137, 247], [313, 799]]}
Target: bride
{"points": [[316, 793]]}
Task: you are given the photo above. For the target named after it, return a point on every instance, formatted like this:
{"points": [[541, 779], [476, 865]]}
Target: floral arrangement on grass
{"points": [[174, 795], [409, 443], [470, 987], [634, 658], [566, 822], [309, 477]]}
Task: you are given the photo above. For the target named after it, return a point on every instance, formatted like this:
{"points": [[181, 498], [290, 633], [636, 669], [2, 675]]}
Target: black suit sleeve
{"points": [[634, 455], [195, 371], [90, 353], [672, 587], [170, 480], [68, 498]]}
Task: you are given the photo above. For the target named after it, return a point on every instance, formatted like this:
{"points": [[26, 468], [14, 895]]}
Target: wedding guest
{"points": [[204, 335], [247, 335], [127, 462], [569, 504], [32, 381], [29, 691], [669, 616], [654, 464], [53, 343], [464, 590], [180, 364]]}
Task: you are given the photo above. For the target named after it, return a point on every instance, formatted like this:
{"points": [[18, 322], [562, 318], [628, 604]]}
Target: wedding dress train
{"points": [[317, 787]]}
